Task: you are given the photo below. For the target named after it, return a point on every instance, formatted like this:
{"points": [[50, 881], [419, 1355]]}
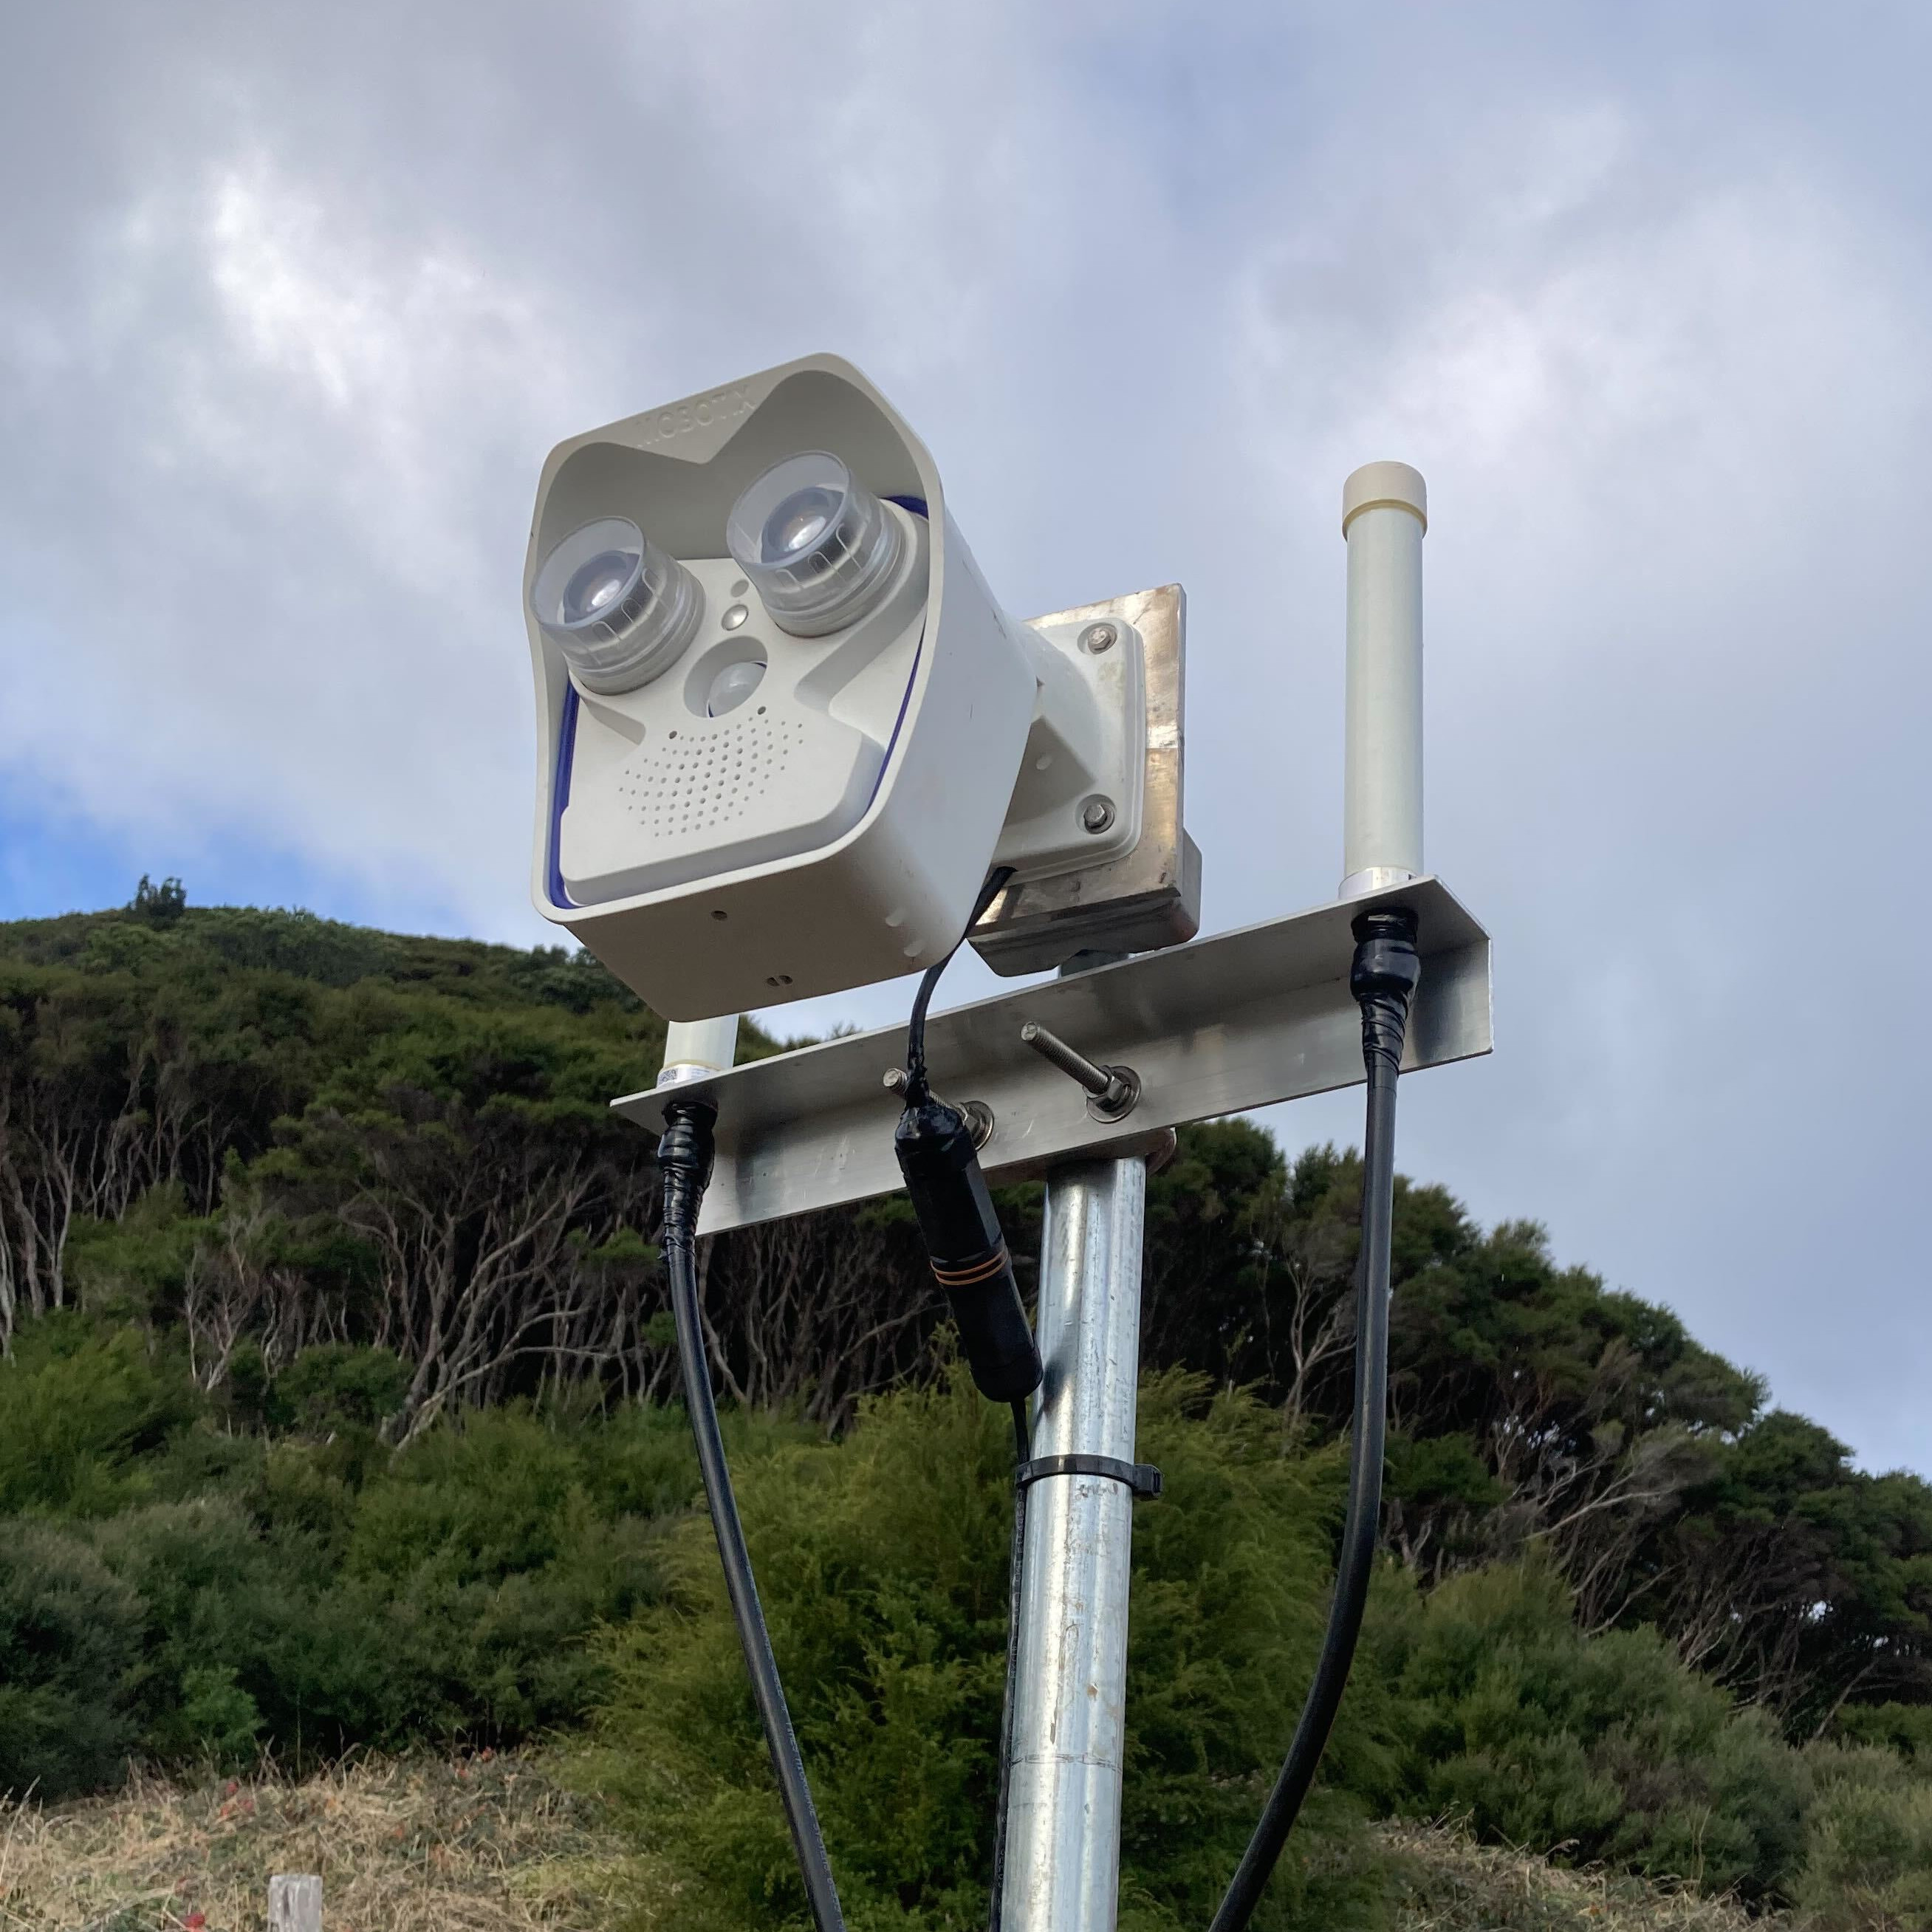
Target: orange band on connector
{"points": [[977, 1272]]}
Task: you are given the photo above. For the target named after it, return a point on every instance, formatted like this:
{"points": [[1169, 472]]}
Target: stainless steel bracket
{"points": [[1149, 897], [1243, 1020]]}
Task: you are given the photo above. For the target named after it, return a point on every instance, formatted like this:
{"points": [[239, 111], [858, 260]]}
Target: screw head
{"points": [[1097, 813], [1098, 637]]}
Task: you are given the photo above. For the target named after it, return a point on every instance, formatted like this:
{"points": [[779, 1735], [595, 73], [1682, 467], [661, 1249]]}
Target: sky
{"points": [[294, 300]]}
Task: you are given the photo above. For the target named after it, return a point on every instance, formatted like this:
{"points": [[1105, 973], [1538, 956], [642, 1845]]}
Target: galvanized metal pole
{"points": [[1063, 1796]]}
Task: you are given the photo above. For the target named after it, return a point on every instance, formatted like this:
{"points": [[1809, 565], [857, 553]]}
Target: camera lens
{"points": [[820, 548], [607, 576], [799, 521], [619, 610]]}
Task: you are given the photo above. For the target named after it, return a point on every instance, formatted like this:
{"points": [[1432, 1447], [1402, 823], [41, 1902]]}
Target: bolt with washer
{"points": [[1098, 637], [1097, 814]]}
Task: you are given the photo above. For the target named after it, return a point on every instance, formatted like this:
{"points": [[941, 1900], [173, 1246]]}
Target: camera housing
{"points": [[784, 728]]}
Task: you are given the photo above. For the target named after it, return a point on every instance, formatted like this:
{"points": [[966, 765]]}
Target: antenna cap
{"points": [[1385, 486]]}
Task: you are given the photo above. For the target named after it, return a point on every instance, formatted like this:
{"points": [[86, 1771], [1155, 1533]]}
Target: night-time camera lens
{"points": [[819, 546]]}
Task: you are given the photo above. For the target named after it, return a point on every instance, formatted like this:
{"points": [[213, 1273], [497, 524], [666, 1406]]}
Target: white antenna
{"points": [[1385, 512]]}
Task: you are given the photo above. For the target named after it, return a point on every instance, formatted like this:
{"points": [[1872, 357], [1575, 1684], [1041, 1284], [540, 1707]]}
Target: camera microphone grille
{"points": [[692, 785]]}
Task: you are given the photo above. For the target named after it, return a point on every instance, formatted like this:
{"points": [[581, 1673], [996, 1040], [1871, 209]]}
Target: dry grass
{"points": [[492, 1845], [489, 1845], [1444, 1883]]}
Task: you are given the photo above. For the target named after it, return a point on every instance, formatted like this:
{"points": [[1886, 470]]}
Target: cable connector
{"points": [[1383, 977], [967, 1250], [685, 1151]]}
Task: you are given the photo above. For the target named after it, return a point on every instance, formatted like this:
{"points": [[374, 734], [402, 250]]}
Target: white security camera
{"points": [[785, 730]]}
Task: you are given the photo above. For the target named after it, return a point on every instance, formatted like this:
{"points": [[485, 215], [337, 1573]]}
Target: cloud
{"points": [[299, 298], [1672, 416], [282, 411]]}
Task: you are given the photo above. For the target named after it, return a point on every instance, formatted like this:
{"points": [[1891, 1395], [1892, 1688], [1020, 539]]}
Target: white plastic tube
{"points": [[1385, 512], [695, 1049]]}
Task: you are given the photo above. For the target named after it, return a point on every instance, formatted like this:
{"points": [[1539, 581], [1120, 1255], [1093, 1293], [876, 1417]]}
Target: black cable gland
{"points": [[1383, 976], [966, 1250], [686, 1150]]}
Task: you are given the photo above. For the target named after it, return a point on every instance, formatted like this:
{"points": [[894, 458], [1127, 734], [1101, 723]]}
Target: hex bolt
{"points": [[1098, 637], [1097, 814], [1111, 1091]]}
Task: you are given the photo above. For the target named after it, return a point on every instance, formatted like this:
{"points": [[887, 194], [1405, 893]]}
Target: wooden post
{"points": [[295, 1903]]}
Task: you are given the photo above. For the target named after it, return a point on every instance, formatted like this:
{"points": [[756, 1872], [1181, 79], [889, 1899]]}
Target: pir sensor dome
{"points": [[619, 610], [819, 546]]}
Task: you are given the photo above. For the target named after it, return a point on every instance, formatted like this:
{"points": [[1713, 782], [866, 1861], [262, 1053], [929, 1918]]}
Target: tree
{"points": [[159, 905], [258, 1131]]}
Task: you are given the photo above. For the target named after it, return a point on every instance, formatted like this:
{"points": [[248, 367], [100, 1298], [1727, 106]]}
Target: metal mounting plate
{"points": [[1242, 1020], [1149, 896]]}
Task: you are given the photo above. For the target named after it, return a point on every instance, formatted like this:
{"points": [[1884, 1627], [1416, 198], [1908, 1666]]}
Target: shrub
{"points": [[70, 1643], [210, 1595], [1906, 1728], [78, 1410], [492, 1548], [128, 1269], [336, 1385], [882, 1569], [217, 1614], [1869, 1863], [1605, 1747]]}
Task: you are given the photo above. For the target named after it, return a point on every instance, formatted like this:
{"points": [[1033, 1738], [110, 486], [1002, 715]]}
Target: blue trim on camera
{"points": [[560, 794]]}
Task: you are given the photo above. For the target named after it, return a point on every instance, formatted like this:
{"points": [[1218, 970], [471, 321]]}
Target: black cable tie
{"points": [[1143, 1478]]}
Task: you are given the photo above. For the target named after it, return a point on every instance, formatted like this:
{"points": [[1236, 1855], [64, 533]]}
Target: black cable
{"points": [[1022, 1453], [939, 1158], [916, 1091], [684, 1157], [969, 1257], [1383, 978]]}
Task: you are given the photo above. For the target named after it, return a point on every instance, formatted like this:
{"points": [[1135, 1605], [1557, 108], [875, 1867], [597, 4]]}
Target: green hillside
{"points": [[334, 1413]]}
